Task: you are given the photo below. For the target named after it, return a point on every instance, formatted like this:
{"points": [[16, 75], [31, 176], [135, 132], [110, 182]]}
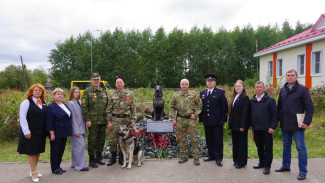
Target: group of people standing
{"points": [[259, 114], [97, 111], [58, 120]]}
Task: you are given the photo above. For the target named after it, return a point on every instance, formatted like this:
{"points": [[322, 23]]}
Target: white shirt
{"points": [[210, 91], [233, 103], [259, 98], [23, 109], [65, 109]]}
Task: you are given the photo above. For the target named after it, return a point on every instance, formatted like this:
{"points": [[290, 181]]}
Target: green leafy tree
{"points": [[13, 77]]}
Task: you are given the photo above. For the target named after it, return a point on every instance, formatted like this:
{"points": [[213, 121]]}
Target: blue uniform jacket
{"points": [[215, 107], [58, 121]]}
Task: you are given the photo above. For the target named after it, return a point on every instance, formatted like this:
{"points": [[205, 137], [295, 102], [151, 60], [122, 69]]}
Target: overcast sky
{"points": [[32, 27]]}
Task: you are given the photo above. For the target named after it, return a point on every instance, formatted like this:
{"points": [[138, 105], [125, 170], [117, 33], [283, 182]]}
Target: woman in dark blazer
{"points": [[32, 137], [78, 150], [239, 109], [58, 123]]}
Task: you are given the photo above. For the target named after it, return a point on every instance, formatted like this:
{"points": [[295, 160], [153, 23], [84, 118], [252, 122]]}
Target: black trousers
{"points": [[214, 140], [264, 144], [57, 150], [239, 147]]}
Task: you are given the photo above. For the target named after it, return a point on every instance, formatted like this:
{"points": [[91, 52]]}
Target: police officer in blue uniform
{"points": [[213, 115]]}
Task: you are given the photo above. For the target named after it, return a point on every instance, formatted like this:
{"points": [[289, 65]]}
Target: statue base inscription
{"points": [[165, 126]]}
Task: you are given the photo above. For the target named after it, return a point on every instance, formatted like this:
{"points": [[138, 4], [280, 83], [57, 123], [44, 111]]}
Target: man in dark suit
{"points": [[213, 116]]}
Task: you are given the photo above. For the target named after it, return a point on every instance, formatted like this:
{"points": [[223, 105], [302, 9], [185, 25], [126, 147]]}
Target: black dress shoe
{"points": [[301, 176], [266, 171], [208, 159], [239, 166], [260, 165], [85, 169], [219, 163], [57, 171], [63, 170], [282, 169]]}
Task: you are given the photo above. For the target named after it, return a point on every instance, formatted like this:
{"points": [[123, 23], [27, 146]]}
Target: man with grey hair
{"points": [[188, 106], [264, 121]]}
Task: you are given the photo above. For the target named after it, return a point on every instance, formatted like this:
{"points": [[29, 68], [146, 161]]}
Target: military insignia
{"points": [[83, 101], [103, 95], [114, 97], [95, 97]]}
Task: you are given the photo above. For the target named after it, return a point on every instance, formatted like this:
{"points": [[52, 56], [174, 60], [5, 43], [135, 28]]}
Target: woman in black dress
{"points": [[239, 109], [32, 117]]}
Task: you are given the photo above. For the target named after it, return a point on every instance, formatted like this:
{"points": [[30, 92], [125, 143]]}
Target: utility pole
{"points": [[25, 77]]}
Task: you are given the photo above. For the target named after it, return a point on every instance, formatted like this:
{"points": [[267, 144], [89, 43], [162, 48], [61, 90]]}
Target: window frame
{"points": [[313, 63], [270, 68], [278, 67], [299, 64]]}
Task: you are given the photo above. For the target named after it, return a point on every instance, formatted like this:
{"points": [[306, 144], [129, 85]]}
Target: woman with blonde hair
{"points": [[32, 117], [239, 109], [78, 150], [58, 123]]}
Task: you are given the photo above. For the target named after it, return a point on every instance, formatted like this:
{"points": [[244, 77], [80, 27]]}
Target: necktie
{"points": [[78, 102], [209, 93], [38, 102]]}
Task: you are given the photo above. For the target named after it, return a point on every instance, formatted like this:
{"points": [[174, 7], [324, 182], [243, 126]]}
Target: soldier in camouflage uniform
{"points": [[120, 111], [188, 106], [94, 102]]}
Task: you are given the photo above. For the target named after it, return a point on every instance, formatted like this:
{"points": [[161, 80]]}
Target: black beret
{"points": [[210, 76], [121, 77]]}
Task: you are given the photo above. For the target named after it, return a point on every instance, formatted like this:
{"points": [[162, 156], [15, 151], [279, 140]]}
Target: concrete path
{"points": [[166, 171]]}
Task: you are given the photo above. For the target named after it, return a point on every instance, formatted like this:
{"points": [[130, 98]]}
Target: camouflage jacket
{"points": [[93, 105], [121, 103], [185, 104]]}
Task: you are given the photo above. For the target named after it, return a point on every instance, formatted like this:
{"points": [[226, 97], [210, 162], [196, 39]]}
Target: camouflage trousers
{"points": [[182, 125], [113, 136], [96, 138]]}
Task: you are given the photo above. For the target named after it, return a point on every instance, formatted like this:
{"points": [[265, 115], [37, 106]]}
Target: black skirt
{"points": [[32, 146]]}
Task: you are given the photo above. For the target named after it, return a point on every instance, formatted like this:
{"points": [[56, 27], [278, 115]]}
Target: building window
{"points": [[316, 63], [279, 68], [301, 65], [270, 68]]}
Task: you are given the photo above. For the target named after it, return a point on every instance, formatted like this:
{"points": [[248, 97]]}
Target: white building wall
{"points": [[289, 61], [263, 68], [319, 80]]}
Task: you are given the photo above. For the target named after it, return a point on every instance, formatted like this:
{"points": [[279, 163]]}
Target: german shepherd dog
{"points": [[158, 104], [130, 147]]}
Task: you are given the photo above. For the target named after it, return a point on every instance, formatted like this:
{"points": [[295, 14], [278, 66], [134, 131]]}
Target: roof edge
{"points": [[295, 44]]}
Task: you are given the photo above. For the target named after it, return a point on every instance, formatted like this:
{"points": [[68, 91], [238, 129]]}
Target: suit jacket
{"points": [[240, 112], [77, 120], [215, 107], [58, 121]]}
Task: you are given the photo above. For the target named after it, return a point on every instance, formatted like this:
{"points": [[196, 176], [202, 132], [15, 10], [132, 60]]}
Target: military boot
{"points": [[182, 160], [120, 158], [113, 159], [99, 159], [92, 161], [196, 162]]}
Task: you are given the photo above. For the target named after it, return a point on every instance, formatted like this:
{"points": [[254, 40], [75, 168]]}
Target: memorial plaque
{"points": [[165, 126]]}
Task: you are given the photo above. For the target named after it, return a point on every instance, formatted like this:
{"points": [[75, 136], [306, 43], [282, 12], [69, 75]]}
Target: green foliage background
{"points": [[146, 57]]}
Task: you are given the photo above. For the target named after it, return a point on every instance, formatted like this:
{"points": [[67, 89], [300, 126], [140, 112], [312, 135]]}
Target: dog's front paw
{"points": [[123, 166], [139, 164], [129, 167]]}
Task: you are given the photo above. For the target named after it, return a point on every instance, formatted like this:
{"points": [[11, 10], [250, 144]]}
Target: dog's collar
{"points": [[128, 140]]}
